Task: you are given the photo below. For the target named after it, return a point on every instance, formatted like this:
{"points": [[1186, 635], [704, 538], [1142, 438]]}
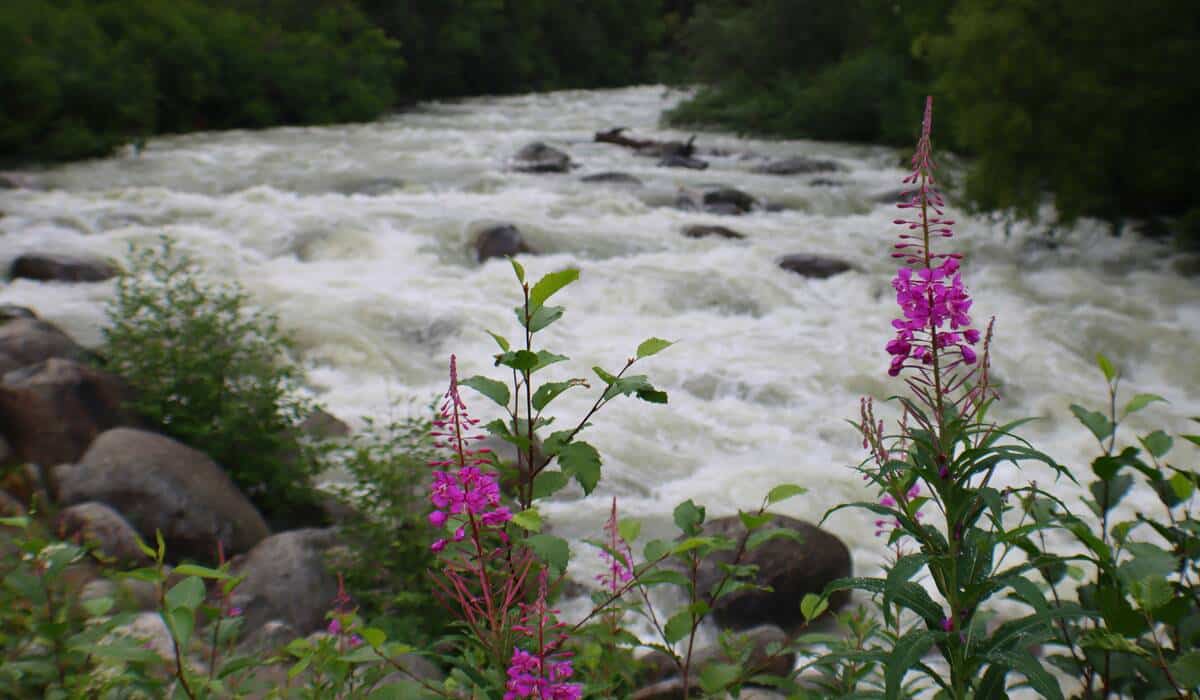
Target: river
{"points": [[358, 237]]}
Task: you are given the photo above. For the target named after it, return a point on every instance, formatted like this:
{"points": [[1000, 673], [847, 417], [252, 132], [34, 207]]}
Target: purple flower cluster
{"points": [[934, 294], [888, 501], [468, 494], [543, 673], [929, 299]]}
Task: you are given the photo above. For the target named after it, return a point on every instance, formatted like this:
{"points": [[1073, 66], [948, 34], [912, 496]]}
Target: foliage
{"points": [[211, 371], [388, 531]]}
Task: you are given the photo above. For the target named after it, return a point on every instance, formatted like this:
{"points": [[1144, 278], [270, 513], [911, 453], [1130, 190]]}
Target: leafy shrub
{"points": [[212, 372]]}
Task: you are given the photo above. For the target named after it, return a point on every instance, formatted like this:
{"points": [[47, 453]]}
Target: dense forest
{"points": [[1084, 101]]}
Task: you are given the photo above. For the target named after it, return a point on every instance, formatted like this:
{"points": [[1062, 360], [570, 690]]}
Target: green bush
{"points": [[213, 372]]}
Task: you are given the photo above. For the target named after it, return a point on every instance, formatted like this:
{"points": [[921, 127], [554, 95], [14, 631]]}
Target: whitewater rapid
{"points": [[358, 236]]}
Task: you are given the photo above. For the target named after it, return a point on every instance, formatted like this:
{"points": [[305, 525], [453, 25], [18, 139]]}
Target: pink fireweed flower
{"points": [[541, 673], [461, 490], [618, 558], [887, 500], [933, 301]]}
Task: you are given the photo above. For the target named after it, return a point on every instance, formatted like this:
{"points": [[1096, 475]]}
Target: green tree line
{"points": [[1089, 102]]}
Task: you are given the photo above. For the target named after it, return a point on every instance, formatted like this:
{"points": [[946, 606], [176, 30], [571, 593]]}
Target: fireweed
{"points": [[943, 458]]}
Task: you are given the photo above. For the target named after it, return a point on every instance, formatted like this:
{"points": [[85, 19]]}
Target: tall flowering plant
{"points": [[941, 463]]}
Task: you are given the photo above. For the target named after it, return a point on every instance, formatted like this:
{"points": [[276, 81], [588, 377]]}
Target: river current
{"points": [[358, 237]]}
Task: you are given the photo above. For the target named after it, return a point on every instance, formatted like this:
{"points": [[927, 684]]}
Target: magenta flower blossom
{"points": [[618, 557], [467, 494], [882, 525], [933, 302], [541, 673]]}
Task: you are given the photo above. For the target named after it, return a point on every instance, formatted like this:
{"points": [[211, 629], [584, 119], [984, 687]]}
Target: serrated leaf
{"points": [[540, 318], [529, 519], [716, 677], [552, 550], [548, 391], [581, 461], [545, 358], [547, 483], [549, 284], [494, 390], [652, 346], [1157, 443], [688, 517], [187, 594], [1098, 423], [783, 492], [1141, 401], [1110, 372], [678, 627], [812, 605]]}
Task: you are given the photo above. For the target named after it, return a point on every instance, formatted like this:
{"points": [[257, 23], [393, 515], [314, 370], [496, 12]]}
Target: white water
{"points": [[381, 288]]}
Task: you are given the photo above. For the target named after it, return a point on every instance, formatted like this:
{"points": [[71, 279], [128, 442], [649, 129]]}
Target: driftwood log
{"points": [[647, 146]]}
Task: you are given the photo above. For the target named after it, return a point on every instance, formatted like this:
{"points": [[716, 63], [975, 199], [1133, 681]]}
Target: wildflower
{"points": [[618, 557], [947, 624], [234, 612], [541, 673], [335, 627]]}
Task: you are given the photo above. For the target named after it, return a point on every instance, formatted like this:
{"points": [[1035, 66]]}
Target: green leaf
{"points": [[812, 605], [400, 690], [1110, 372], [361, 654], [124, 650], [517, 268], [300, 665], [542, 317], [187, 594], [548, 391], [97, 606], [758, 538], [1108, 641], [181, 622], [784, 492], [1151, 593], [688, 517], [661, 576], [678, 627], [500, 340], [908, 651], [201, 571], [545, 358], [652, 346], [1098, 423], [374, 636], [551, 550], [1116, 488], [1186, 669], [547, 483], [1141, 401], [650, 395], [520, 360], [716, 677], [604, 375], [529, 519], [494, 390], [1181, 486], [582, 461], [754, 521], [655, 550], [629, 528], [1157, 443], [1035, 673], [550, 284]]}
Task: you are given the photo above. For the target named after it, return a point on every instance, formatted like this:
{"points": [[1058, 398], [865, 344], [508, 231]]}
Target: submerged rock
{"points": [[612, 178], [537, 157], [675, 160], [799, 165], [817, 266], [716, 199], [50, 267], [500, 242], [707, 231]]}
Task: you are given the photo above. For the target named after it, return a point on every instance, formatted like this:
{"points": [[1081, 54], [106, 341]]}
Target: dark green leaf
{"points": [[1098, 423], [652, 395], [494, 390], [544, 316], [757, 538], [548, 391], [551, 550], [753, 521], [1157, 443], [717, 676], [678, 627], [664, 576], [545, 358], [688, 517], [1109, 493], [1035, 673], [547, 483], [201, 571], [1186, 669], [908, 651], [520, 360], [582, 461]]}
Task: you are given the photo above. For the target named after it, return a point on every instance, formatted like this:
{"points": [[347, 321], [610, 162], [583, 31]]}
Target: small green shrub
{"points": [[212, 372]]}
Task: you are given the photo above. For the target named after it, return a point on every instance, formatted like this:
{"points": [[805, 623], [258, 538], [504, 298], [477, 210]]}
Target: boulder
{"points": [[102, 527], [500, 242], [791, 568], [28, 340], [417, 667], [267, 639], [817, 266], [612, 178], [51, 411], [164, 485], [11, 312], [537, 157], [705, 231], [716, 199], [798, 165], [287, 579], [323, 425], [675, 160], [49, 267]]}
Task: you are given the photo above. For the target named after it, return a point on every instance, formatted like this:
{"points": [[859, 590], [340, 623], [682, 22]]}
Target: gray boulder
{"points": [[104, 528], [537, 157], [11, 312], [675, 160], [817, 266], [716, 199], [50, 267], [798, 165], [612, 178], [791, 568], [51, 411], [287, 579], [159, 484], [500, 242]]}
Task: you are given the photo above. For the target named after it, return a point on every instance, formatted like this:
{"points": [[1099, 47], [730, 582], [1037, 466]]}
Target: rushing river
{"points": [[358, 237]]}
